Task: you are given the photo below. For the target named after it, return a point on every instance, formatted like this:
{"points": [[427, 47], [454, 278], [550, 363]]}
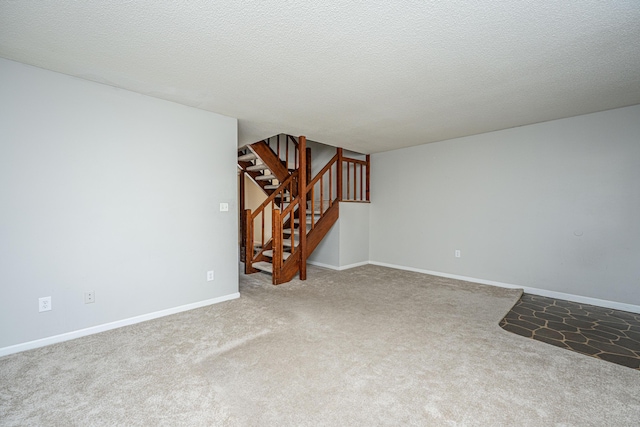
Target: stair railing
{"points": [[279, 218], [341, 179], [286, 148], [325, 187], [357, 177], [276, 201]]}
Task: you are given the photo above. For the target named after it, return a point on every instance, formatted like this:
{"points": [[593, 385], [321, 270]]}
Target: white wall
{"points": [[554, 206], [347, 243], [354, 233], [109, 191], [320, 156], [327, 253]]}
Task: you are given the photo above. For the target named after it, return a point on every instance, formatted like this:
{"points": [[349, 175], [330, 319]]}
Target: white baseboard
{"points": [[333, 267], [536, 291], [112, 325]]}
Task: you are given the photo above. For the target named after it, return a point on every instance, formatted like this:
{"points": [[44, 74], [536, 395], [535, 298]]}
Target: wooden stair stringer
{"points": [[267, 247], [322, 227], [269, 158], [290, 268], [255, 174]]}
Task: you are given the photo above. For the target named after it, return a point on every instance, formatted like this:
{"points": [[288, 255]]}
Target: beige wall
{"points": [[254, 196]]}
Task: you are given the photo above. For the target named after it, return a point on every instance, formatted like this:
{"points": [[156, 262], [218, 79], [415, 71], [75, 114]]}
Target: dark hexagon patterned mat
{"points": [[607, 334]]}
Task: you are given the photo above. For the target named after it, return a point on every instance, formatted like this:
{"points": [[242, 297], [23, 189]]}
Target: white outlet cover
{"points": [[224, 207], [44, 304], [210, 276], [89, 297]]}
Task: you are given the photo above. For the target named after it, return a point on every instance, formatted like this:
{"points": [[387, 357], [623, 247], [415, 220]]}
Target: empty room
{"points": [[319, 213]]}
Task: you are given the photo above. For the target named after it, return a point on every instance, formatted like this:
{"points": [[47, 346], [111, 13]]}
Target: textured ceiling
{"points": [[367, 75]]}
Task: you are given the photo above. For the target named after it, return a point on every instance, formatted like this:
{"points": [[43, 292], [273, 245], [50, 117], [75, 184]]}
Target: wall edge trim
{"points": [[42, 342], [333, 267], [536, 291]]}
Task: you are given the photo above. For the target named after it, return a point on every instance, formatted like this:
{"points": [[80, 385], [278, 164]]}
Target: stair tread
{"points": [[247, 157], [269, 253], [265, 177], [297, 221], [297, 230], [271, 187], [263, 266], [287, 242], [258, 167], [316, 208]]}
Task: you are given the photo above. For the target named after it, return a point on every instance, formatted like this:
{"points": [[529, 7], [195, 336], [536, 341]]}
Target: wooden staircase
{"points": [[302, 209]]}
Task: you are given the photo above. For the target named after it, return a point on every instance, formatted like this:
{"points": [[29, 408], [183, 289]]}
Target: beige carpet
{"points": [[363, 347]]}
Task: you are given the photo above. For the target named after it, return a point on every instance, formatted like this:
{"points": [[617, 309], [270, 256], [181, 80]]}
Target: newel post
{"points": [[368, 176], [302, 206], [248, 245]]}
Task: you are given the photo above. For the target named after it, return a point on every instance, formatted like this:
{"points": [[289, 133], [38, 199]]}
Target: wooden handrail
{"points": [[273, 195], [319, 178], [283, 153], [359, 171], [324, 169], [358, 161], [293, 140], [291, 206]]}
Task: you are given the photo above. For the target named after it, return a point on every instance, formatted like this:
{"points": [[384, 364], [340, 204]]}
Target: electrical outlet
{"points": [[44, 304], [209, 276], [89, 297], [224, 207], [457, 253]]}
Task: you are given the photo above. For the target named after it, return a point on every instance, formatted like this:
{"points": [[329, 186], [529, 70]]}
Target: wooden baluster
{"points": [[348, 181], [361, 184], [302, 196], [330, 186], [368, 167], [313, 211], [308, 151], [262, 220], [277, 246], [321, 194], [249, 242], [355, 181], [293, 236], [339, 175]]}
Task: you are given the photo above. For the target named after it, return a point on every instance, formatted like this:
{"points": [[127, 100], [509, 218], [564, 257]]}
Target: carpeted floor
{"points": [[607, 334], [362, 347]]}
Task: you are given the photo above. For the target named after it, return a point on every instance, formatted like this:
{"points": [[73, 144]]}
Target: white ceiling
{"points": [[366, 75]]}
